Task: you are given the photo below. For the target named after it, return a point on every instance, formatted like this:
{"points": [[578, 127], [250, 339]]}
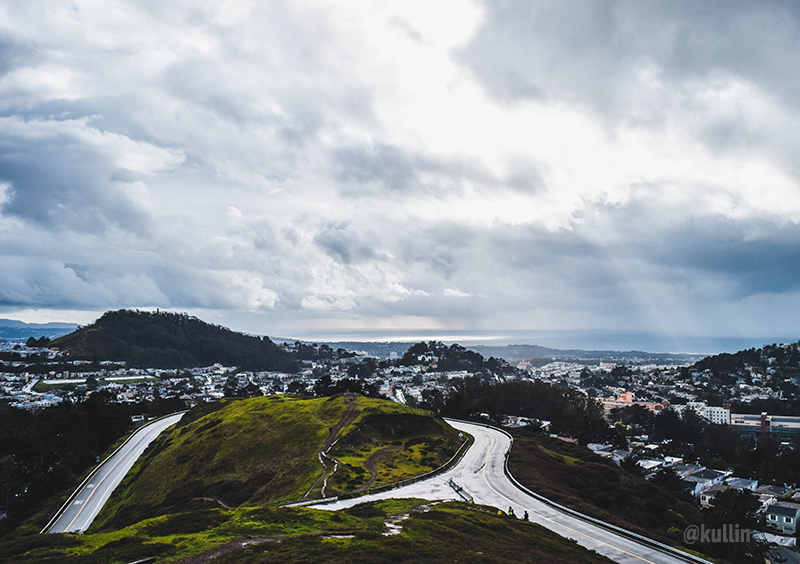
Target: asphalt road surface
{"points": [[79, 512], [480, 474]]}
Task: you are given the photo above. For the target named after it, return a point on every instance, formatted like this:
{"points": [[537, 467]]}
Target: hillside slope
{"points": [[779, 361], [171, 340], [448, 532], [574, 476], [264, 450]]}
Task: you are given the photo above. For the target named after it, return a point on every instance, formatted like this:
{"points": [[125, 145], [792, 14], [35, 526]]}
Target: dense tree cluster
{"points": [[570, 412], [453, 358], [772, 371], [172, 340], [716, 446], [313, 351], [40, 342], [780, 358], [35, 364], [326, 387]]}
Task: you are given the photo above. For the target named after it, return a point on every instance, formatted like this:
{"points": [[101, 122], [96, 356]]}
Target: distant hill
{"points": [[377, 349], [779, 358], [19, 330], [517, 353], [453, 357], [171, 340]]}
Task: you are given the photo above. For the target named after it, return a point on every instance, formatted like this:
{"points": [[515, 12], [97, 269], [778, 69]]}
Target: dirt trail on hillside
{"points": [[219, 501], [327, 462], [370, 464]]}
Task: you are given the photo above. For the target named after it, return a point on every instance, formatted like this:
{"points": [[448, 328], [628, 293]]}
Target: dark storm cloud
{"points": [[754, 257], [392, 167], [51, 283], [378, 166], [592, 50], [531, 247], [442, 248], [59, 187], [738, 258], [60, 177], [343, 244], [711, 260], [12, 55]]}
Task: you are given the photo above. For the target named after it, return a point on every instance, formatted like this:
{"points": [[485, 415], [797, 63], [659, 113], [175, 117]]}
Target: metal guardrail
{"points": [[460, 491], [672, 551], [97, 468]]}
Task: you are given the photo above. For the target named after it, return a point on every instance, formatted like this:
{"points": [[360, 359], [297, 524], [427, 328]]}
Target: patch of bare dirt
{"points": [[225, 548]]}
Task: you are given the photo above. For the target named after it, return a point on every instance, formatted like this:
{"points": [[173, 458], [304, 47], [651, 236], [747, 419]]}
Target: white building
{"points": [[716, 415]]}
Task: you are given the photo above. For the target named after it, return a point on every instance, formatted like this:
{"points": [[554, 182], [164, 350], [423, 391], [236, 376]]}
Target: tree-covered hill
{"points": [[454, 357], [781, 360], [171, 340]]}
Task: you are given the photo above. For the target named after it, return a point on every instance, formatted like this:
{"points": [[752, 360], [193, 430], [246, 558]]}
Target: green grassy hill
{"points": [[209, 490], [171, 340], [264, 450]]}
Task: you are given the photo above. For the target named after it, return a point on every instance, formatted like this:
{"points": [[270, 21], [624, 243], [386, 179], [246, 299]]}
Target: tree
{"points": [[631, 464], [618, 439], [667, 478], [361, 369], [250, 391], [322, 387], [634, 415], [231, 387], [730, 508], [296, 387], [668, 425]]}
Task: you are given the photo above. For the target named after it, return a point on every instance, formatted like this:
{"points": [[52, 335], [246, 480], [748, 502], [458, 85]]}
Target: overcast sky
{"points": [[281, 166]]}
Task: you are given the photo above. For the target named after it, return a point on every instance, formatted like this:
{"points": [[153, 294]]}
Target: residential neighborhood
{"points": [[618, 388]]}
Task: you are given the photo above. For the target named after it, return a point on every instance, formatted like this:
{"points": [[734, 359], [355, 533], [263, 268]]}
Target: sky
{"points": [[280, 167]]}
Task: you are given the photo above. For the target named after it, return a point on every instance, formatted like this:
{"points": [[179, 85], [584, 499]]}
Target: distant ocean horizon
{"points": [[564, 339]]}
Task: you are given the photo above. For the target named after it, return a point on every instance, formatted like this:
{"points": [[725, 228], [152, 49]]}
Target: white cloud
{"points": [[361, 163], [455, 293]]}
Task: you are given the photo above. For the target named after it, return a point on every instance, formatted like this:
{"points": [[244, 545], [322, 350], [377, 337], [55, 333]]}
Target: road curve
{"points": [[83, 506], [481, 474]]}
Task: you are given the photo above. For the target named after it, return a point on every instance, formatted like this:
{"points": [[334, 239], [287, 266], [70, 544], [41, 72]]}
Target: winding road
{"points": [[83, 506], [481, 473]]}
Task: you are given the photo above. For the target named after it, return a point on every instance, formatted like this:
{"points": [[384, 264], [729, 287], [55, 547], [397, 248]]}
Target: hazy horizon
{"points": [[588, 340], [564, 340]]}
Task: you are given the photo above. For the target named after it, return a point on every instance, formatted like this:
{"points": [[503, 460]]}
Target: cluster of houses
{"points": [[780, 505], [656, 385]]}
